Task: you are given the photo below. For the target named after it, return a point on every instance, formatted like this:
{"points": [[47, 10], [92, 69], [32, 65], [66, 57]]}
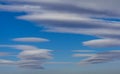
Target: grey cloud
{"points": [[103, 57], [31, 64]]}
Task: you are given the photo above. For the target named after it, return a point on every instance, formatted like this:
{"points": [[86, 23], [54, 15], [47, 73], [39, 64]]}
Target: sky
{"points": [[59, 36]]}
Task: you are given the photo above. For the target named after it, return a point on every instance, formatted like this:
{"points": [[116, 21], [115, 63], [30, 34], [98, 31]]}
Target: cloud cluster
{"points": [[72, 16], [68, 16], [30, 56]]}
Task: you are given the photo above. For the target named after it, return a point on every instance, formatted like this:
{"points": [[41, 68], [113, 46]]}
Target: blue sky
{"points": [[59, 36]]}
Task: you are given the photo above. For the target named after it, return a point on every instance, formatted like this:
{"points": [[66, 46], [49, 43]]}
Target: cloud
{"points": [[30, 39], [31, 56], [82, 7], [68, 16], [102, 58], [34, 58], [35, 54], [72, 16], [8, 62], [30, 64], [83, 51], [83, 55], [21, 47], [60, 63], [103, 43], [19, 8], [4, 54]]}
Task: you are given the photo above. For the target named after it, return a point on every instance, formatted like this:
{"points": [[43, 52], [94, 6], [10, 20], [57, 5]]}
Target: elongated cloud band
{"points": [[30, 39]]}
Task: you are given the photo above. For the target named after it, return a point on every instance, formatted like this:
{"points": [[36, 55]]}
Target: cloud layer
{"points": [[72, 16]]}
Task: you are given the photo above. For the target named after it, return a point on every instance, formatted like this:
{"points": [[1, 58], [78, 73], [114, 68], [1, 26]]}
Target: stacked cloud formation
{"points": [[30, 57]]}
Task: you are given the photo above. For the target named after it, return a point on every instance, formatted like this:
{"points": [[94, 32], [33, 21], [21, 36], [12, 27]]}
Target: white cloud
{"points": [[31, 39], [52, 16], [8, 62], [102, 43]]}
